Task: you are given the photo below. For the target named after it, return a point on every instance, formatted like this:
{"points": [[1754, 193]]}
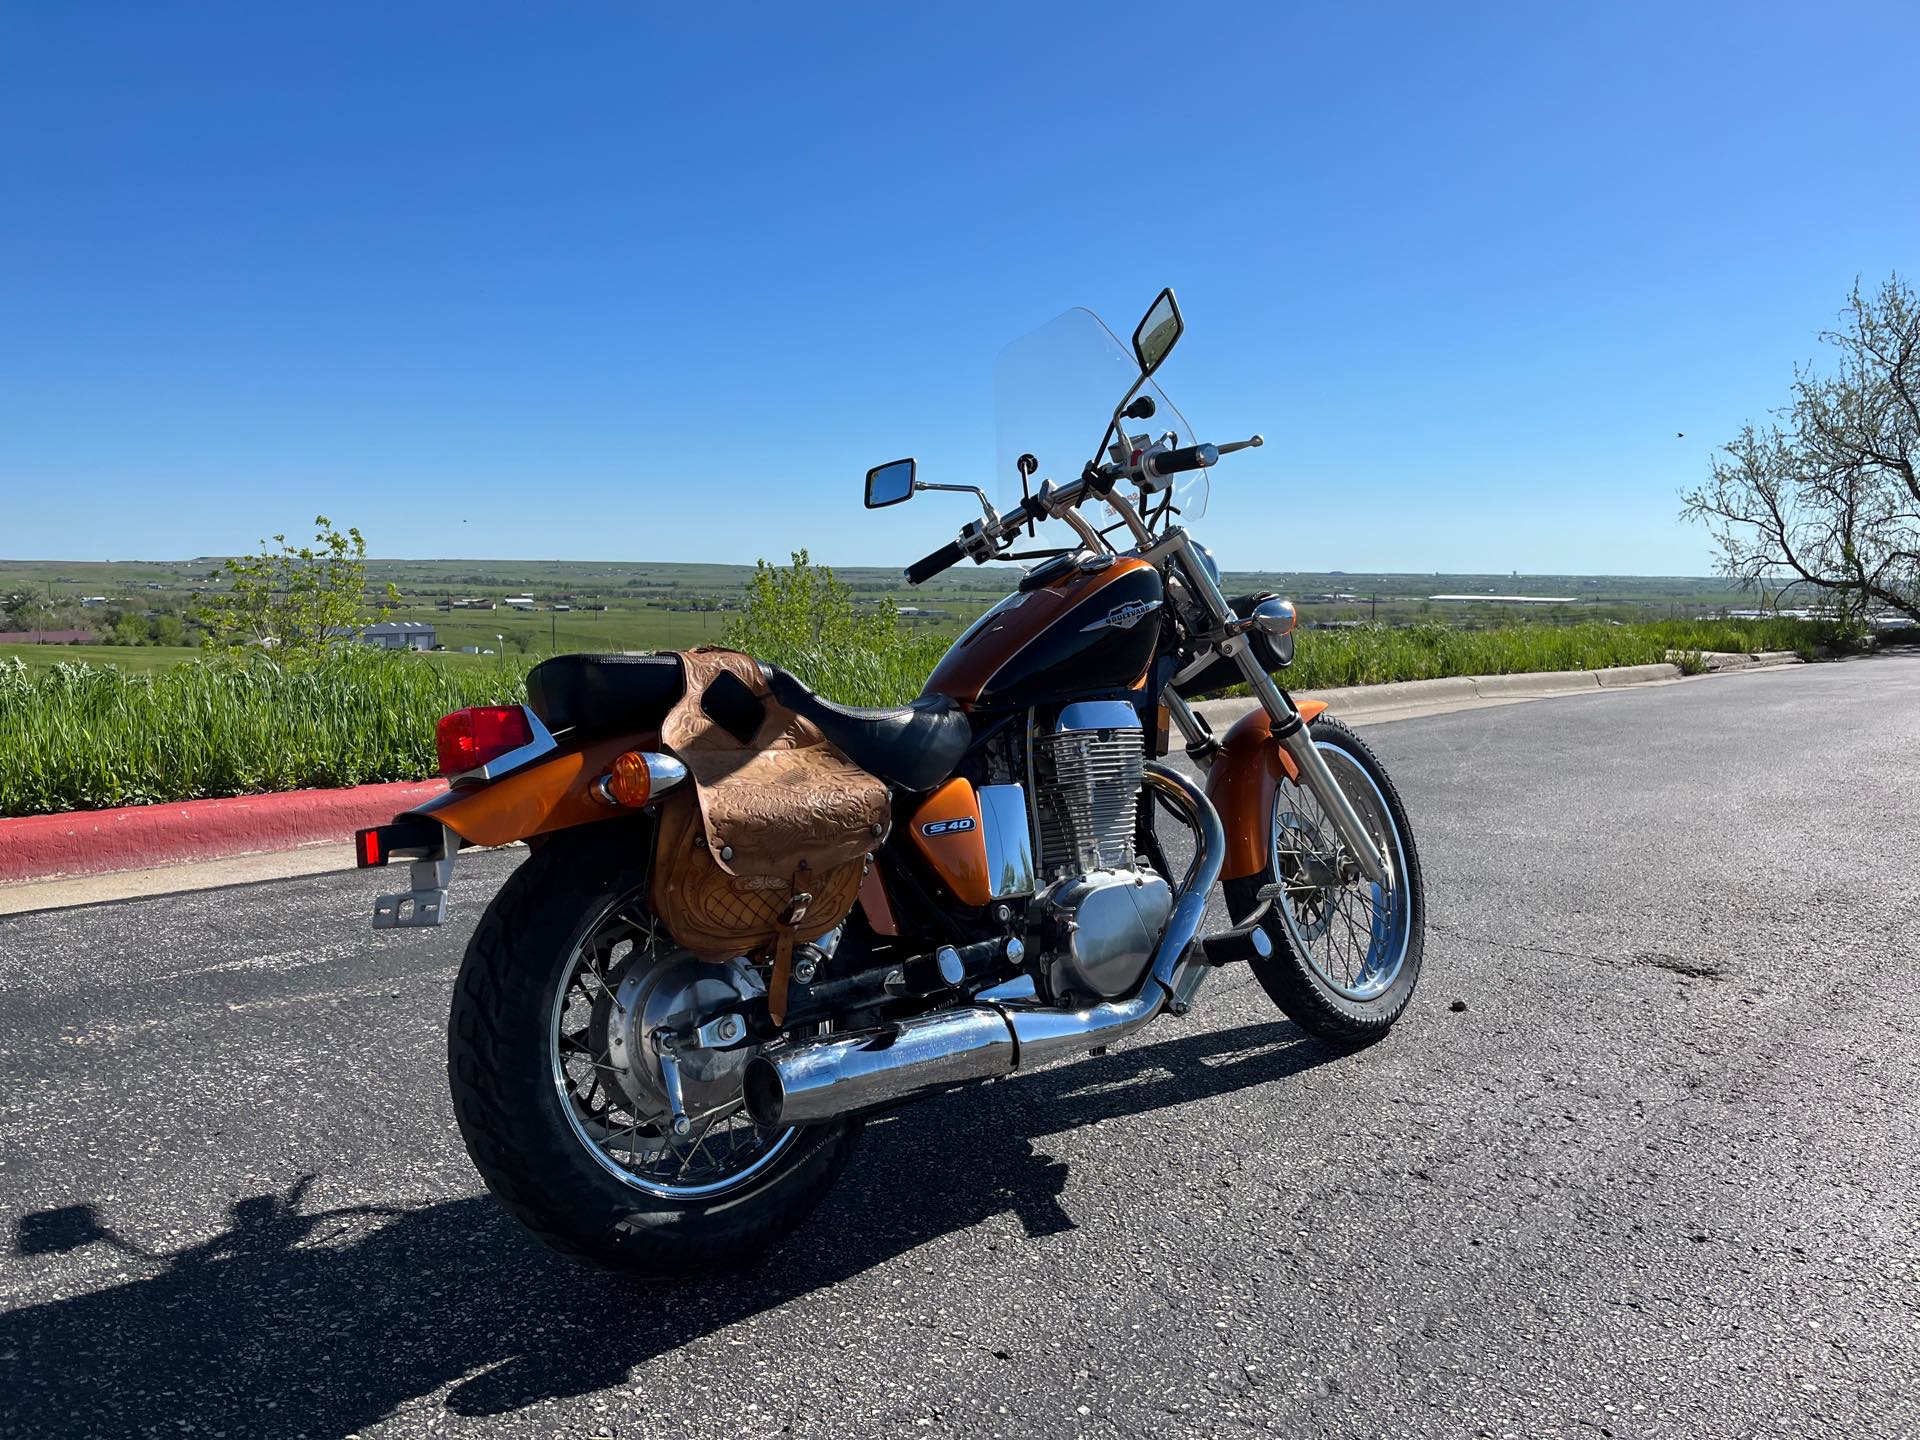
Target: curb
{"points": [[139, 837], [1398, 699]]}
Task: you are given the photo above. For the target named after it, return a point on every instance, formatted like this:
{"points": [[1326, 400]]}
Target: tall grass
{"points": [[888, 675], [1373, 655], [84, 736]]}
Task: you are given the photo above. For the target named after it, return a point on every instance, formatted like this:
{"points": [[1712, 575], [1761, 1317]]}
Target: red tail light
{"points": [[468, 739]]}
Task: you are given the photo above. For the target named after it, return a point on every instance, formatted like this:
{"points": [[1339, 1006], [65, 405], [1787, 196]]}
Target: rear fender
{"points": [[551, 794], [1241, 785]]}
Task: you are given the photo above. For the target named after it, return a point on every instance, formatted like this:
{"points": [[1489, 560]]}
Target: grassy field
{"points": [[85, 737], [82, 736], [1373, 655]]}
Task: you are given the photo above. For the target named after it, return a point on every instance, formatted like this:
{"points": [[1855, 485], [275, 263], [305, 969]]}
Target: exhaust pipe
{"points": [[837, 1075]]}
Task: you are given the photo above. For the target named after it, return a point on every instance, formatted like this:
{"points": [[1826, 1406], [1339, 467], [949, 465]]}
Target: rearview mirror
{"points": [[889, 484], [1157, 331]]}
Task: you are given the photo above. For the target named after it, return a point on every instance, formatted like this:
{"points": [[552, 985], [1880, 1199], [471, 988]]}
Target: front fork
{"points": [[1288, 728]]}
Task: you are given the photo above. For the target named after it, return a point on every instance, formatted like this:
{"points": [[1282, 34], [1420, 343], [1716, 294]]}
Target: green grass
{"points": [[1373, 655], [126, 657], [85, 736]]}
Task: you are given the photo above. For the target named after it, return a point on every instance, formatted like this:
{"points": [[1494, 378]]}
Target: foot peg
{"points": [[1250, 942]]}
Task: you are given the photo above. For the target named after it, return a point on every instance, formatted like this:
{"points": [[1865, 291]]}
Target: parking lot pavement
{"points": [[1638, 1161]]}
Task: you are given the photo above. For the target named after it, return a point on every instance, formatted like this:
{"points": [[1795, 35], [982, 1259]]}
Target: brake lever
{"points": [[1253, 444]]}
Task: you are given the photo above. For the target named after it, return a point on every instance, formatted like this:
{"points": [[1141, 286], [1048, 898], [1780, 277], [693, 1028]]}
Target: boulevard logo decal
{"points": [[1124, 617], [948, 827]]}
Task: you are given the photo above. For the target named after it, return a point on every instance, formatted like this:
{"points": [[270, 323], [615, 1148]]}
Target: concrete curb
{"points": [[1403, 699], [138, 837]]}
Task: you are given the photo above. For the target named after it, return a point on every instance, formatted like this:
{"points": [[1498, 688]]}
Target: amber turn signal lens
{"points": [[628, 782]]}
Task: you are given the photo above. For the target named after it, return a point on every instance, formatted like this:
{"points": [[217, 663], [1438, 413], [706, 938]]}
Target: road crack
{"points": [[1654, 959]]}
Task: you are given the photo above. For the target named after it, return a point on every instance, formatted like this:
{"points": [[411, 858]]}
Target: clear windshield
{"points": [[1054, 392]]}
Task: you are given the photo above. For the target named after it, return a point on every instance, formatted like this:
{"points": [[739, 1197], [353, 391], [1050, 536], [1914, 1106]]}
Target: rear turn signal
{"points": [[637, 777], [628, 782], [468, 739]]}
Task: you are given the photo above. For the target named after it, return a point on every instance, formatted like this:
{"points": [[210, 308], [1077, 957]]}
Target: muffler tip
{"points": [[761, 1090]]}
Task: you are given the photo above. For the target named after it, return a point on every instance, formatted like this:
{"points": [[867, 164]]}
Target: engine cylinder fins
{"points": [[1088, 767]]}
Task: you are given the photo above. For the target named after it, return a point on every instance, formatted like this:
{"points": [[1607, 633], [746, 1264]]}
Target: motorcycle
{"points": [[752, 917]]}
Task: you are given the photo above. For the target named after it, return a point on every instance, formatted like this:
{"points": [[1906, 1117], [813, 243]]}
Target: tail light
{"points": [[469, 739]]}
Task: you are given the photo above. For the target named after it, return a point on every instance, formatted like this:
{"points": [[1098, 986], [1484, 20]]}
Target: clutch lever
{"points": [[1251, 444]]}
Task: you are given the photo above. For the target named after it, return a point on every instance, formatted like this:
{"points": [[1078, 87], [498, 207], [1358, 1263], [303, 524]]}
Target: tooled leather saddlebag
{"points": [[769, 843]]}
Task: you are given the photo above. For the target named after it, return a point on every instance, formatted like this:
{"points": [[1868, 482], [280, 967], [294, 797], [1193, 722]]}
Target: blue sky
{"points": [[614, 281]]}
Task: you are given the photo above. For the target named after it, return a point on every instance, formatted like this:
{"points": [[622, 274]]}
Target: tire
{"points": [[512, 1115], [1290, 975]]}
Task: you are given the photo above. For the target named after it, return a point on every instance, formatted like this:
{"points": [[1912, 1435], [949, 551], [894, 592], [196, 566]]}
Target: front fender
{"points": [[548, 795], [1241, 785]]}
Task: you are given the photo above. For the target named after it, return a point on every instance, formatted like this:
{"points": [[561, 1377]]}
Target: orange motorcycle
{"points": [[752, 917]]}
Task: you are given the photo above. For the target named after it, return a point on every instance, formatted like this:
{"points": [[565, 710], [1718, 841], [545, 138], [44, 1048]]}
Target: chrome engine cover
{"points": [[1112, 920]]}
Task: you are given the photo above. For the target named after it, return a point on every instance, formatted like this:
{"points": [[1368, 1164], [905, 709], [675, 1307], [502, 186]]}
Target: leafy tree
{"points": [[801, 607], [295, 599], [1828, 496], [127, 630]]}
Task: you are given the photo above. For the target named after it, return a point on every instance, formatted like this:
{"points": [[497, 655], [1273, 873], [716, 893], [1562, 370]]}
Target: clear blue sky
{"points": [[614, 281]]}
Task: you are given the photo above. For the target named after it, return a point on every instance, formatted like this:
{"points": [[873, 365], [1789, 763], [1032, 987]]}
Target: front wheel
{"points": [[1346, 952], [568, 995]]}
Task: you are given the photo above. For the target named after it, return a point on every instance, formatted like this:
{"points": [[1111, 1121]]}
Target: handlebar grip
{"points": [[1188, 457], [928, 566]]}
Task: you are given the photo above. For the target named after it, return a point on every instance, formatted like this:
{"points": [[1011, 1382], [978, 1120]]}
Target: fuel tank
{"points": [[1080, 630]]}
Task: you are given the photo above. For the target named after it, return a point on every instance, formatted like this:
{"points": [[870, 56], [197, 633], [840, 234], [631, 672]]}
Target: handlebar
{"points": [[928, 566], [1052, 499], [1188, 457]]}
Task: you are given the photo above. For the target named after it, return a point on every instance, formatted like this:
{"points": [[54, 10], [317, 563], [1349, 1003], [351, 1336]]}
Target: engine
{"points": [[1102, 908]]}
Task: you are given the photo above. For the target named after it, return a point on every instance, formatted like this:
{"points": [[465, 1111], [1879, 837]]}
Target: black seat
{"points": [[913, 746], [601, 694]]}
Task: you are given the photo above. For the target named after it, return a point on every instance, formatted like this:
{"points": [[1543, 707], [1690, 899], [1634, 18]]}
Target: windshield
{"points": [[1054, 392]]}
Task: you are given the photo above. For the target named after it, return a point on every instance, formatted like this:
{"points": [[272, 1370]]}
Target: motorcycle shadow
{"points": [[319, 1324]]}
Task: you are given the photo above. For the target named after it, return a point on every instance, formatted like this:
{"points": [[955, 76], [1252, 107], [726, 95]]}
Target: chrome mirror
{"points": [[889, 484], [1159, 328]]}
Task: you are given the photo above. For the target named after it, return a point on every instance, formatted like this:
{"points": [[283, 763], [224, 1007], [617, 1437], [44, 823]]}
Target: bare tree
{"points": [[1827, 495]]}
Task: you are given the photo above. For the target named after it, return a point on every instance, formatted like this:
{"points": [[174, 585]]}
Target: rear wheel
{"points": [[1346, 952], [571, 1051]]}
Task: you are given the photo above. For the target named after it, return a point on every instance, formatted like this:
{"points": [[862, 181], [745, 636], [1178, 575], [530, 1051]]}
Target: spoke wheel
{"points": [[1353, 932], [625, 989], [1346, 952]]}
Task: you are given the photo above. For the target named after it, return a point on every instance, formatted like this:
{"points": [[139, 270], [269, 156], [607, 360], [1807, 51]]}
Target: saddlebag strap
{"points": [[783, 931]]}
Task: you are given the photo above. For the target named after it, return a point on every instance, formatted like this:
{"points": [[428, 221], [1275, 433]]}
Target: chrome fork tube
{"points": [[1287, 726]]}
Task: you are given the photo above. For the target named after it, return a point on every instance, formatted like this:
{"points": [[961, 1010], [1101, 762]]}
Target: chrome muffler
{"points": [[837, 1075]]}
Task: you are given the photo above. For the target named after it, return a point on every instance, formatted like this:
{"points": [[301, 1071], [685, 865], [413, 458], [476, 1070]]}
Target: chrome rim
{"points": [[1353, 932], [624, 985]]}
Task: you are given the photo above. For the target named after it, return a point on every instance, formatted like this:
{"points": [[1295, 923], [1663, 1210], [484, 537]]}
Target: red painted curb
{"points": [[136, 837]]}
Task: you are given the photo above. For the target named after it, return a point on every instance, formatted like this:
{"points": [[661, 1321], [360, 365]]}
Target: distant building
{"points": [[93, 599], [1504, 599], [518, 602], [400, 635], [389, 634]]}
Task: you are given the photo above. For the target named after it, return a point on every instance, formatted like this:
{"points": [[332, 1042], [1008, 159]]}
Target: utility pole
{"points": [[1373, 610]]}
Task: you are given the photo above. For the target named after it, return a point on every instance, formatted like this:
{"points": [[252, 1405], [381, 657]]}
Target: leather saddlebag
{"points": [[769, 842]]}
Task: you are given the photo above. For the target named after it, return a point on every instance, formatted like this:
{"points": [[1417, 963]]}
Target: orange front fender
{"points": [[1241, 785], [549, 795]]}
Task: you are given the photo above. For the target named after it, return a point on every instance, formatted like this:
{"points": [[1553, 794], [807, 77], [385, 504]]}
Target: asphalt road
{"points": [[1656, 1178]]}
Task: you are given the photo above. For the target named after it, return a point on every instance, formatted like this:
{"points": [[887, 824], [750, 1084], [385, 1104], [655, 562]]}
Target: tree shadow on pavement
{"points": [[319, 1324]]}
